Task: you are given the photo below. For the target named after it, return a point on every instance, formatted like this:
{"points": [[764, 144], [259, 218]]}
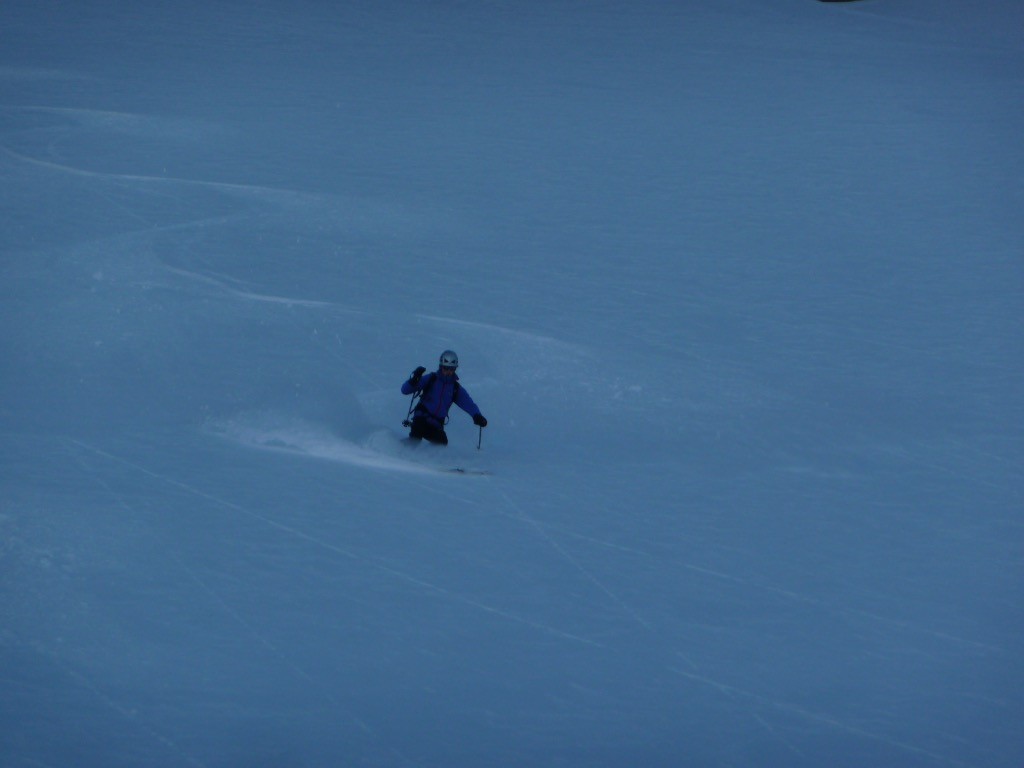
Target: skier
{"points": [[437, 392]]}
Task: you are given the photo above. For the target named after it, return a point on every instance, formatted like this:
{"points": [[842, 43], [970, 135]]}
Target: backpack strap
{"points": [[425, 384], [430, 380]]}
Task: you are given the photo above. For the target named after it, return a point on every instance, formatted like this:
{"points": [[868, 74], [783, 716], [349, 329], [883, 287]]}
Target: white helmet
{"points": [[449, 359]]}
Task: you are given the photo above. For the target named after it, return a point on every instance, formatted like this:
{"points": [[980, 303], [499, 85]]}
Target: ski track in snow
{"points": [[516, 512], [816, 717], [109, 701], [823, 719], [259, 637], [256, 190], [519, 514], [782, 592], [339, 550], [222, 283], [308, 678]]}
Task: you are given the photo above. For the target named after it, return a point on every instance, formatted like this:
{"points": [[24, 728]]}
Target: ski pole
{"points": [[480, 438], [414, 379], [408, 416]]}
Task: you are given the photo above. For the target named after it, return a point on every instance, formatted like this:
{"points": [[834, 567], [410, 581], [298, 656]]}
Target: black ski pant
{"points": [[424, 429]]}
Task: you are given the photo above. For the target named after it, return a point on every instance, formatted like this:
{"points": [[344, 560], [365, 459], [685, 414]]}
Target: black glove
{"points": [[479, 420], [415, 378]]}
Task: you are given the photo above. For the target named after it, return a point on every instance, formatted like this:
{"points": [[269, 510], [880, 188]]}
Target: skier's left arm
{"points": [[465, 402]]}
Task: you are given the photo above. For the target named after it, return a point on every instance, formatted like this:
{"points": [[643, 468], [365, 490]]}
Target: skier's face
{"points": [[447, 371]]}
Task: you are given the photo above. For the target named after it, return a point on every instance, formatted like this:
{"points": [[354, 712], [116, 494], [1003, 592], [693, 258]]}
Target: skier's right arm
{"points": [[412, 384]]}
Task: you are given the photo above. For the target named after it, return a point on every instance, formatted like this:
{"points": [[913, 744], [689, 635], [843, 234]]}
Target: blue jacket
{"points": [[438, 394]]}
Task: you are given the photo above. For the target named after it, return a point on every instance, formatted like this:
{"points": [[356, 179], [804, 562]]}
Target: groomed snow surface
{"points": [[738, 284]]}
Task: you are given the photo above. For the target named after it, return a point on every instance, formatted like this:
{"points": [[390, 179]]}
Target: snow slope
{"points": [[738, 286]]}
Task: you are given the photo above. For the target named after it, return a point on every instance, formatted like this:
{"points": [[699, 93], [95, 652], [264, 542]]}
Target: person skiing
{"points": [[437, 392]]}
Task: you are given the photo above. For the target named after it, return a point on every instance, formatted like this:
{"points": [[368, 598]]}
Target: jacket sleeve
{"points": [[408, 387], [465, 402]]}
